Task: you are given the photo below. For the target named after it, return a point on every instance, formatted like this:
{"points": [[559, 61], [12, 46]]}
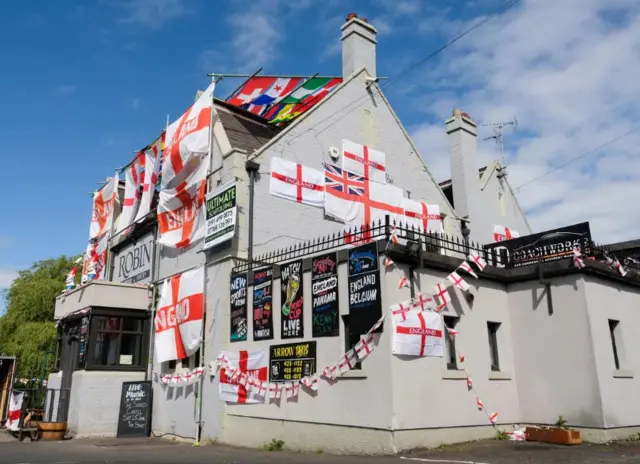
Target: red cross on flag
{"points": [[95, 260], [187, 140], [152, 158], [104, 204], [419, 335], [501, 233], [178, 321], [364, 161], [458, 281], [15, 409], [133, 180], [421, 216], [253, 364], [399, 311], [296, 182]]}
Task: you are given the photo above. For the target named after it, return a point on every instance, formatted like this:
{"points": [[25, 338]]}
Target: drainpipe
{"points": [[252, 168]]}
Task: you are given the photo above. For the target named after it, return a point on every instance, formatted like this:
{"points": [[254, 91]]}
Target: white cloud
{"points": [[151, 13], [6, 277], [63, 90], [570, 76]]}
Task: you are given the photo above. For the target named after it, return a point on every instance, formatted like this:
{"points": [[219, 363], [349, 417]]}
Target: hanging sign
{"points": [[292, 300], [133, 262], [292, 362], [262, 311], [238, 311], [221, 212], [324, 296], [365, 305]]}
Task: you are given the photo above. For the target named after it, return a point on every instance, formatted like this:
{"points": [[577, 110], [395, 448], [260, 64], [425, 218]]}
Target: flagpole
{"points": [[152, 306]]}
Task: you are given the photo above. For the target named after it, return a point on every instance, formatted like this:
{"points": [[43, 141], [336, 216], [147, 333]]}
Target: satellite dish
{"points": [[334, 153]]}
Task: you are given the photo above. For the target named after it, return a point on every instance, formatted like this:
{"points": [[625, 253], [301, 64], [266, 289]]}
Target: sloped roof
{"points": [[244, 130]]}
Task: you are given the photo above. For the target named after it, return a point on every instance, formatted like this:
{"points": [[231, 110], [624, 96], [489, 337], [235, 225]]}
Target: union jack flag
{"points": [[343, 181]]}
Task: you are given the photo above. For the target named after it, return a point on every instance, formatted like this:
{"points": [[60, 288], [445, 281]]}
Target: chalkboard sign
{"points": [[82, 342], [292, 361], [134, 419]]}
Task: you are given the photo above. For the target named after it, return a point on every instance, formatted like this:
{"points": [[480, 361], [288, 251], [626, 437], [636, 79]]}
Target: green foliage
{"points": [[274, 445], [27, 328], [502, 435], [561, 423]]}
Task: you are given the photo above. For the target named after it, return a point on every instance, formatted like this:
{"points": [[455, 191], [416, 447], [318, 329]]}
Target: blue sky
{"points": [[85, 83]]}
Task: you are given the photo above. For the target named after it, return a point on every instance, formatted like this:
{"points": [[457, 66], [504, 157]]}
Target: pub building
{"points": [[286, 293]]}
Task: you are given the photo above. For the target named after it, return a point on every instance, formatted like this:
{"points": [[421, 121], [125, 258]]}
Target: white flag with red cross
{"points": [[252, 365], [133, 181], [458, 281], [364, 161], [187, 140], [181, 216], [296, 182], [95, 259], [421, 334], [105, 201], [421, 216], [501, 233], [178, 320], [442, 294], [152, 156], [15, 410]]}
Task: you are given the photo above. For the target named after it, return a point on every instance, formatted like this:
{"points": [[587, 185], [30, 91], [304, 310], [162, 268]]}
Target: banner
{"points": [[104, 206], [364, 161], [325, 306], [420, 334], [238, 313], [15, 410], [262, 310], [133, 180], [178, 321], [293, 361], [501, 233], [152, 160], [95, 259], [365, 304], [132, 264], [221, 213], [292, 300], [296, 182], [421, 216], [254, 365]]}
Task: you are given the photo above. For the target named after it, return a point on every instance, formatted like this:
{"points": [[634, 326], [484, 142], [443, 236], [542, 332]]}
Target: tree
{"points": [[27, 328]]}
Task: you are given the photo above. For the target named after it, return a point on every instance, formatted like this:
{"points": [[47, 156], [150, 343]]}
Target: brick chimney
{"points": [[358, 46], [465, 181]]}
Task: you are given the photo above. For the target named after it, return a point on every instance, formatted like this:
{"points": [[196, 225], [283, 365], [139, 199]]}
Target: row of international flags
{"points": [[281, 99]]}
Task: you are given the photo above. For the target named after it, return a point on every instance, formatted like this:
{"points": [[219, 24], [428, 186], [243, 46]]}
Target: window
{"points": [[614, 329], [450, 343], [492, 328], [118, 342], [350, 340]]}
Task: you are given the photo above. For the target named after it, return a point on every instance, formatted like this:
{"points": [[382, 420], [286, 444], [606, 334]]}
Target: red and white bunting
{"points": [[275, 391], [423, 302], [310, 382], [375, 326], [466, 267], [442, 293], [399, 311], [347, 362], [577, 258], [394, 236], [469, 382], [364, 347], [291, 389], [152, 156], [476, 259], [479, 403], [501, 233], [185, 378], [250, 365], [15, 410], [330, 372], [133, 181], [364, 161], [462, 358], [458, 281], [296, 182], [493, 418], [104, 208], [421, 334], [421, 216], [388, 262], [404, 282], [614, 263], [452, 332]]}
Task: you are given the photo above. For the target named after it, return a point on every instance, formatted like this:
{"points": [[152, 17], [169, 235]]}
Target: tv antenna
{"points": [[498, 133]]}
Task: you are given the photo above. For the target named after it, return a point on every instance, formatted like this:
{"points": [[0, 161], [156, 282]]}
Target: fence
{"points": [[43, 404]]}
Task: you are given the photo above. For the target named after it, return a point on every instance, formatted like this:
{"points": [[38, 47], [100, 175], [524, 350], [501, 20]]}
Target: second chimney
{"points": [[358, 46], [461, 130]]}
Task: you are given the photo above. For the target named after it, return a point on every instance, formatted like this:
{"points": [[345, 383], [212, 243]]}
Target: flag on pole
{"points": [[104, 205], [133, 180], [301, 100], [278, 90], [253, 88], [152, 156]]}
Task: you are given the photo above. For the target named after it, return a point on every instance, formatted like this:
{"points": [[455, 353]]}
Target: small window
{"points": [[492, 328], [450, 322], [118, 342], [350, 340], [614, 329]]}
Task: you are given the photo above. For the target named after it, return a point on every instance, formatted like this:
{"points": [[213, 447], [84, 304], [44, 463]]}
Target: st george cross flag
{"points": [[296, 182], [104, 207], [252, 364], [133, 180], [15, 409], [178, 321], [152, 158], [187, 140], [364, 161], [181, 215], [422, 216], [95, 259], [421, 334], [501, 233]]}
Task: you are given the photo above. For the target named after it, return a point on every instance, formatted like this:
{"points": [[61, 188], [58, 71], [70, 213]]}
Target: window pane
{"points": [[107, 323], [130, 324], [105, 349], [131, 350]]}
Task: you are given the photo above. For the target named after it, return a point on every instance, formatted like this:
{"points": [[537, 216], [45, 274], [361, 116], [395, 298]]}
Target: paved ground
{"points": [[158, 451]]}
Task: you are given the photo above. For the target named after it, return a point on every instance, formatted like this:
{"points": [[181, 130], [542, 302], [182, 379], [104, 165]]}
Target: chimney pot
{"points": [[358, 46], [365, 20], [350, 16]]}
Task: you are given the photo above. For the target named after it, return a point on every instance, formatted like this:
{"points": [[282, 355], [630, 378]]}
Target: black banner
{"points": [[292, 362], [325, 306], [365, 304], [239, 326], [134, 419], [363, 259], [543, 247], [262, 311], [292, 300]]}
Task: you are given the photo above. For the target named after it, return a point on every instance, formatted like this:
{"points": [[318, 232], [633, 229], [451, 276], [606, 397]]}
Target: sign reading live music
{"points": [[238, 313], [543, 247], [324, 296], [292, 300], [262, 302], [365, 305]]}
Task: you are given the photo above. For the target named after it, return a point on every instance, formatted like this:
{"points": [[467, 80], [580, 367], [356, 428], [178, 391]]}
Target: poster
{"points": [[292, 300], [293, 361], [365, 306], [221, 213], [238, 308], [324, 296], [262, 311]]}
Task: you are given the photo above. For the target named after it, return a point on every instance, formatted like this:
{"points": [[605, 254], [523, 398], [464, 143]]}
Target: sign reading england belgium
{"points": [[221, 210], [292, 361]]}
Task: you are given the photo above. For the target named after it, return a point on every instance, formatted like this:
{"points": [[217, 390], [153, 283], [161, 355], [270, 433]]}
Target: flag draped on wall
{"points": [[422, 216], [420, 334], [365, 161], [250, 365], [152, 158], [296, 182], [133, 180], [104, 205], [178, 320], [501, 233], [95, 259]]}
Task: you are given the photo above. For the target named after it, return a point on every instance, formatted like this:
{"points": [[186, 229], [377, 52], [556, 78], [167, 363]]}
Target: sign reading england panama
{"points": [[221, 212], [132, 263]]}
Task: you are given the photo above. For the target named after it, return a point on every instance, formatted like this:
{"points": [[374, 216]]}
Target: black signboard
{"points": [[325, 306], [292, 300], [543, 247], [134, 419], [365, 305], [262, 311], [292, 361], [239, 326], [82, 343]]}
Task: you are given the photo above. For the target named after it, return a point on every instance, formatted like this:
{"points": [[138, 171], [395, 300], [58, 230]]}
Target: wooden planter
{"points": [[554, 435], [52, 430]]}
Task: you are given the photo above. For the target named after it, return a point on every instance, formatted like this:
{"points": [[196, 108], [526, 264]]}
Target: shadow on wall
{"points": [[183, 391]]}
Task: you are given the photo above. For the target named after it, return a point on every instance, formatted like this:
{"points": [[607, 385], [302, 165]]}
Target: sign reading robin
{"points": [[133, 262], [543, 247]]}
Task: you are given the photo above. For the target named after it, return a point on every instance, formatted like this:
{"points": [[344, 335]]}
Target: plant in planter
{"points": [[559, 434]]}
